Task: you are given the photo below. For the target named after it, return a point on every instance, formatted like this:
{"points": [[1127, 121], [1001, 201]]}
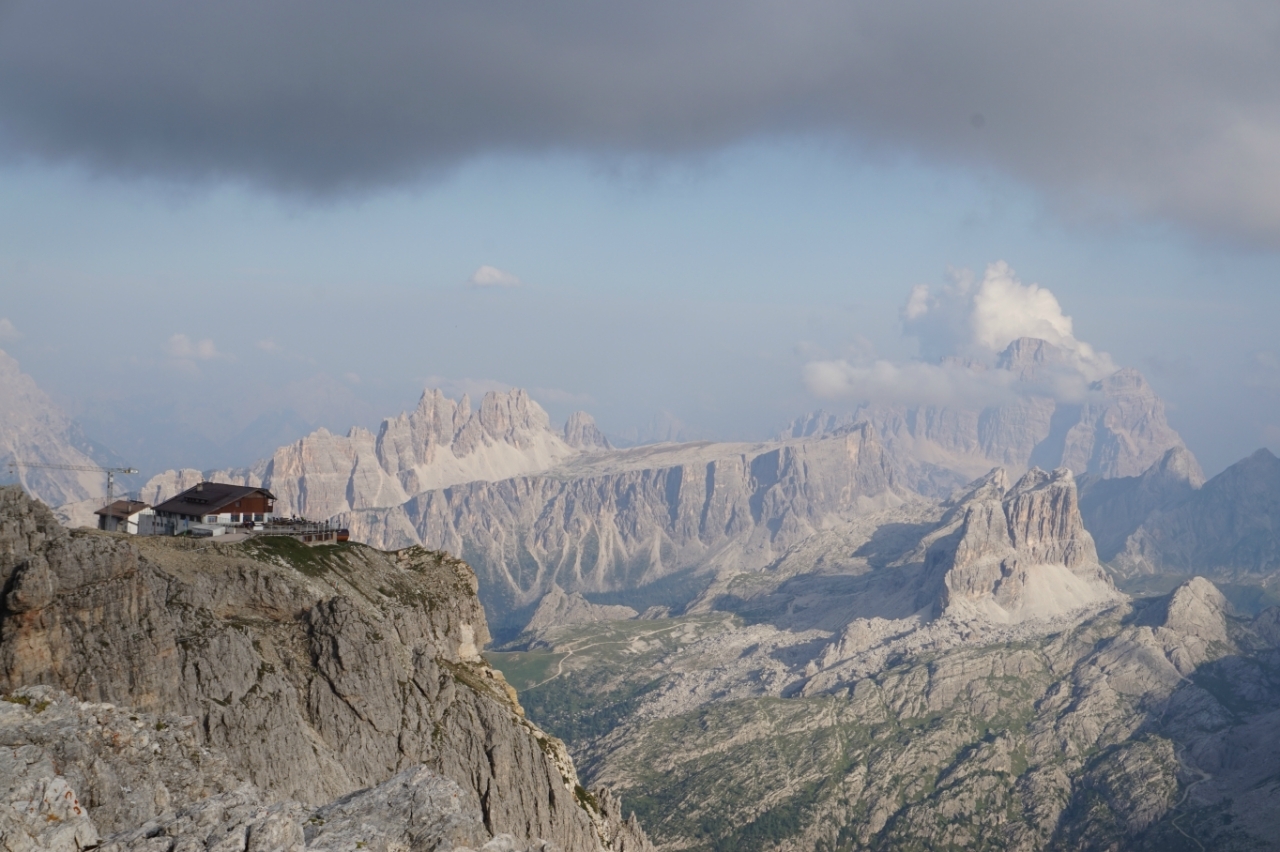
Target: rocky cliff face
{"points": [[1018, 553], [440, 443], [995, 553], [72, 773], [312, 672], [1114, 508], [633, 517]]}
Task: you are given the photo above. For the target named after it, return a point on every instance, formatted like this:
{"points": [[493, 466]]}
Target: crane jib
{"points": [[109, 471]]}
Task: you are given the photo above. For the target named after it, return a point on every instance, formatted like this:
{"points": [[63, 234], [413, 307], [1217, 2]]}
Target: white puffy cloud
{"points": [[492, 276], [978, 319], [8, 331], [184, 348], [962, 327]]}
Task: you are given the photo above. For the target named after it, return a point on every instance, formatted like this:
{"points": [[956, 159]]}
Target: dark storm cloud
{"points": [[1169, 108]]}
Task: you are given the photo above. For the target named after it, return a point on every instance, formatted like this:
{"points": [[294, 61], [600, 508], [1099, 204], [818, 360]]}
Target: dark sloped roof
{"points": [[209, 498], [121, 509]]}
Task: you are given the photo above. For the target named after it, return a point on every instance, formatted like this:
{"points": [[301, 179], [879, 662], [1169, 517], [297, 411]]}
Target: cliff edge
{"points": [[313, 673]]}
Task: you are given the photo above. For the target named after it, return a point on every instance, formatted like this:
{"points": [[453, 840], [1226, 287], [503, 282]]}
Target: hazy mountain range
{"points": [[961, 674], [892, 628], [35, 430], [531, 506]]}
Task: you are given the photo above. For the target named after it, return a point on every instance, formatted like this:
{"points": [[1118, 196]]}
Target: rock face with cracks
{"points": [[74, 770], [1020, 552], [310, 673], [631, 518]]}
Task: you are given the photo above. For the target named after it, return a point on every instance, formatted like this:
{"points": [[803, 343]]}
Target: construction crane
{"points": [[109, 471]]}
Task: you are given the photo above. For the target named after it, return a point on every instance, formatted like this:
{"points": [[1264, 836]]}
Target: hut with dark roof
{"points": [[215, 506]]}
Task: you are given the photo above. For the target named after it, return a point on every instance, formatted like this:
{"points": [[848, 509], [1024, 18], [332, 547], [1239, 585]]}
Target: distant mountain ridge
{"points": [[531, 507], [618, 521], [1119, 428], [1228, 529], [34, 429], [438, 444], [1114, 508]]}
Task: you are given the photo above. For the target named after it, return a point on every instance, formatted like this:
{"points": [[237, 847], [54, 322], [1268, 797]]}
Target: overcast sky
{"points": [[222, 224]]}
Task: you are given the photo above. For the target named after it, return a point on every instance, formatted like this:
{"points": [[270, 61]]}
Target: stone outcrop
{"points": [[581, 432], [1019, 553], [314, 673], [78, 775], [995, 553], [558, 609], [121, 768]]}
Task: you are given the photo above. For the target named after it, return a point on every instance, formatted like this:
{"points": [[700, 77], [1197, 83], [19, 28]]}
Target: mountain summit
{"points": [[438, 444], [1055, 417], [1020, 553]]}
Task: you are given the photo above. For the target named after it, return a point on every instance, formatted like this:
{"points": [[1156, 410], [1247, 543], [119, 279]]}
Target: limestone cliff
{"points": [[73, 772], [439, 443], [607, 522], [994, 553], [1019, 553], [312, 672]]}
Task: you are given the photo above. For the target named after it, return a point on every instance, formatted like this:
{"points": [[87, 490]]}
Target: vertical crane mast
{"points": [[109, 471]]}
